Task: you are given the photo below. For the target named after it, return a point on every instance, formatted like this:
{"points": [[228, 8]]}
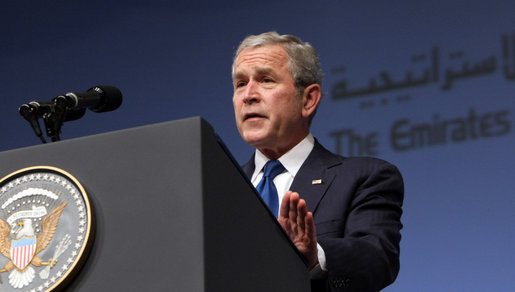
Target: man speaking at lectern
{"points": [[342, 213]]}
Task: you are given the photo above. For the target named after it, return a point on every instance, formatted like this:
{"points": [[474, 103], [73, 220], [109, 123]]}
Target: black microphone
{"points": [[100, 98], [29, 113]]}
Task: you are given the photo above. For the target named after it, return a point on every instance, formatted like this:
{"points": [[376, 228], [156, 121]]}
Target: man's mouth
{"points": [[251, 116]]}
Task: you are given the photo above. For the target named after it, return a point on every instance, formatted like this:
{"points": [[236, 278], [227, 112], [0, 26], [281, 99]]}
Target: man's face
{"points": [[267, 106]]}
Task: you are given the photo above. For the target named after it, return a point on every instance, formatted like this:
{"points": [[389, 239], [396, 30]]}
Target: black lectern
{"points": [[173, 213]]}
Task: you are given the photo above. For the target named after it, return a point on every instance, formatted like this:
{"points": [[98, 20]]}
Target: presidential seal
{"points": [[45, 229]]}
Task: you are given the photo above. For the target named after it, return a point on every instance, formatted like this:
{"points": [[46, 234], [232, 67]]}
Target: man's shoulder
{"points": [[370, 161], [335, 160]]}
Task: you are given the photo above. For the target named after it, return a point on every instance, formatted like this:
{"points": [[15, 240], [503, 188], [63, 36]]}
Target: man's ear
{"points": [[310, 99]]}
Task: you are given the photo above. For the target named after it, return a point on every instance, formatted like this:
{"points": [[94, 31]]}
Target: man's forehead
{"points": [[260, 70], [264, 56]]}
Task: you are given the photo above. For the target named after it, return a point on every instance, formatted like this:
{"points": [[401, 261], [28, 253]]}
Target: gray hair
{"points": [[303, 60]]}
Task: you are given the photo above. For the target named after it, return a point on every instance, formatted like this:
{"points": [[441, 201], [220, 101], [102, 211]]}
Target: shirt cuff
{"points": [[321, 258]]}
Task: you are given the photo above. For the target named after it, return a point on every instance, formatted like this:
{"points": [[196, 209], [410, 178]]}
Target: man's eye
{"points": [[267, 80], [240, 84]]}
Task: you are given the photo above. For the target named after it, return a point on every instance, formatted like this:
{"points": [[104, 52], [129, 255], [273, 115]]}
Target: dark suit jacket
{"points": [[357, 210]]}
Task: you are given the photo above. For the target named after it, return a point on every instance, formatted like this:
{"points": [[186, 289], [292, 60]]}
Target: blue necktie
{"points": [[266, 186]]}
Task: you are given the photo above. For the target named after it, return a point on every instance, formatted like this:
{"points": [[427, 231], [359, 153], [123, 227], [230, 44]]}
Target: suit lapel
{"points": [[248, 168], [314, 176]]}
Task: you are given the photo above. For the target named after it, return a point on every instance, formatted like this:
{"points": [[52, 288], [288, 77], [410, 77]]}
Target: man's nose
{"points": [[251, 93]]}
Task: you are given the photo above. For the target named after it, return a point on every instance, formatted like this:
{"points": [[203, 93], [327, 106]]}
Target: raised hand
{"points": [[299, 225]]}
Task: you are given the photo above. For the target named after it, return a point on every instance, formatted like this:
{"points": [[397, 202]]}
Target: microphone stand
{"points": [[28, 112], [54, 118], [53, 115]]}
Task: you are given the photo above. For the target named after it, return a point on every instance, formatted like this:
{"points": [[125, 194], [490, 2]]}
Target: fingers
{"points": [[294, 215], [301, 214], [293, 210], [310, 226], [284, 209]]}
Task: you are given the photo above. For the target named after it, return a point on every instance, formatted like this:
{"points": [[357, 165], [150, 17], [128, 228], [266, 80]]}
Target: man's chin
{"points": [[255, 140]]}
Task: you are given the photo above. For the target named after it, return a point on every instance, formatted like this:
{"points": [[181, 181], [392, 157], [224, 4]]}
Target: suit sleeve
{"points": [[362, 249]]}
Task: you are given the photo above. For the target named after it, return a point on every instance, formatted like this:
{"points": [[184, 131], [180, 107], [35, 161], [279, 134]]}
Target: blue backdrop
{"points": [[427, 85]]}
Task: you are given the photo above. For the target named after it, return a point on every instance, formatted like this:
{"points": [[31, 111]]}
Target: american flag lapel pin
{"points": [[316, 181]]}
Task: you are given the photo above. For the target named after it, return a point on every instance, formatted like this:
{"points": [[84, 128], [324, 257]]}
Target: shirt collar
{"points": [[291, 160]]}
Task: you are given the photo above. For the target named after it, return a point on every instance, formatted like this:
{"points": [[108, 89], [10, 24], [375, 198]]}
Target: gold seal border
{"points": [[90, 234]]}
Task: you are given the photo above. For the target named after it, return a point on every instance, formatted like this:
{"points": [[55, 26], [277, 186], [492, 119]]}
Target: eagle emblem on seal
{"points": [[21, 245]]}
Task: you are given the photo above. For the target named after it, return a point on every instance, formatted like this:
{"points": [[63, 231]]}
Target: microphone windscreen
{"points": [[111, 98]]}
